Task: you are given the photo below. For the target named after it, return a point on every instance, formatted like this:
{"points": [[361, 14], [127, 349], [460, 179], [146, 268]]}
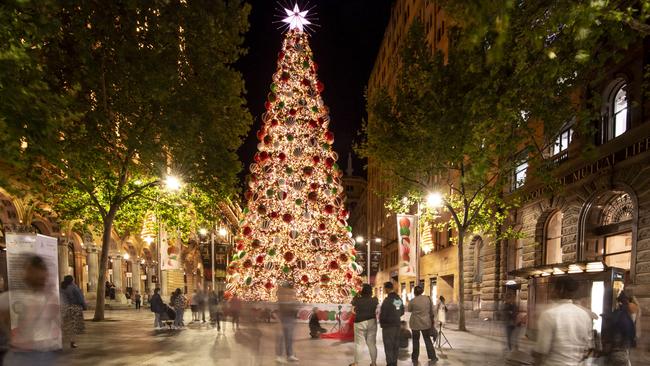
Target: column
{"points": [[117, 273], [92, 260], [135, 272], [63, 259]]}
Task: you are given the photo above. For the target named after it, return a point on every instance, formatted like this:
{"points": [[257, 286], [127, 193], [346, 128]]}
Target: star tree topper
{"points": [[296, 19]]}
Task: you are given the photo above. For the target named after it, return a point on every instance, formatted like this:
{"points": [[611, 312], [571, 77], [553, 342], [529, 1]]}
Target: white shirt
{"points": [[564, 335], [35, 320]]}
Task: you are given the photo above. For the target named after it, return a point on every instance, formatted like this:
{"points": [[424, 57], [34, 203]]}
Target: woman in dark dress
{"points": [[72, 307]]}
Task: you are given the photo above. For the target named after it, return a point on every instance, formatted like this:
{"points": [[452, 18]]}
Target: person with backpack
{"points": [[391, 311], [157, 307], [421, 321]]}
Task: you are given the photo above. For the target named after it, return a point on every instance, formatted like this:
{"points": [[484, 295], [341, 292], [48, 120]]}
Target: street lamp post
{"points": [[359, 239]]}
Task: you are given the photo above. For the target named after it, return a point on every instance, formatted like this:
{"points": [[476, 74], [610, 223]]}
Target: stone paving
{"points": [[127, 338]]}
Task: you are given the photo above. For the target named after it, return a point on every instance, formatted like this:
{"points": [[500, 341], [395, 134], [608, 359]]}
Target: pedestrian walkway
{"points": [[127, 338]]}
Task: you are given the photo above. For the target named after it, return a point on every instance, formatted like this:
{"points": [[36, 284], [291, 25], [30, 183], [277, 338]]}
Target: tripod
{"points": [[337, 325], [441, 335]]}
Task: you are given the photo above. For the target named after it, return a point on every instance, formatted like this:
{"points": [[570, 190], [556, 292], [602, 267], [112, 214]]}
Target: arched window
{"points": [[616, 119], [553, 239], [608, 230]]}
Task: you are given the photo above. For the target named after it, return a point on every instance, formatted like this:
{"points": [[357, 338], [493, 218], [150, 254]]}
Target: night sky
{"points": [[345, 45]]}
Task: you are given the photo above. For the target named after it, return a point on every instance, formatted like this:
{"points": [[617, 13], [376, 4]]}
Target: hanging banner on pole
{"points": [[39, 313], [170, 252], [406, 239]]}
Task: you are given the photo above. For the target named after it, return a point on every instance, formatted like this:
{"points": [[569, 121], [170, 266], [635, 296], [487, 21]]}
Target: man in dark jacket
{"points": [[392, 309], [157, 307]]}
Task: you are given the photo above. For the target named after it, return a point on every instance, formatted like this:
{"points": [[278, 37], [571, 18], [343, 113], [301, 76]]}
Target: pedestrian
{"points": [[157, 307], [234, 308], [111, 292], [511, 314], [635, 313], [421, 322], [178, 302], [203, 303], [390, 313], [72, 307], [287, 313], [365, 325], [138, 300], [107, 289], [35, 333], [315, 330], [213, 302], [620, 333], [194, 305], [564, 330]]}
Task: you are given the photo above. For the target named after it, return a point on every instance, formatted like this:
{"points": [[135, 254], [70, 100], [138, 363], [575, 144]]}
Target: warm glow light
{"points": [[359, 239], [434, 200], [173, 183], [296, 19], [223, 232], [377, 240], [126, 256], [203, 231], [148, 239]]}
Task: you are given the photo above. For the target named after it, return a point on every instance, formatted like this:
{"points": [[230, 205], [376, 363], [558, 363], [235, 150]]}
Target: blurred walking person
{"points": [[287, 313], [72, 307], [178, 302], [194, 306], [203, 303], [564, 335], [36, 333], [157, 307], [511, 314], [138, 300], [421, 322], [619, 333], [365, 325], [390, 313], [234, 308]]}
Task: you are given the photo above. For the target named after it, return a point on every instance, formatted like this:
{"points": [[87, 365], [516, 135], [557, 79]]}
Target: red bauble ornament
{"points": [[292, 112], [287, 218], [274, 122], [240, 246], [264, 156], [343, 257], [315, 159], [329, 162], [305, 82], [313, 123], [314, 66], [329, 209], [268, 285], [304, 278], [321, 120], [248, 195], [313, 186], [320, 86], [312, 196], [322, 227], [348, 276], [268, 105], [280, 55], [344, 214], [248, 263], [324, 278], [329, 137], [282, 156], [288, 256], [256, 243], [256, 157], [247, 231], [259, 259], [274, 215], [260, 134], [267, 139]]}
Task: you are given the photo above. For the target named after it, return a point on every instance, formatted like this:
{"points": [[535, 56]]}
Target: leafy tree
{"points": [[460, 123], [115, 95]]}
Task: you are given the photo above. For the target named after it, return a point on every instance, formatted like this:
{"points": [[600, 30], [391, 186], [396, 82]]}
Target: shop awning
{"points": [[559, 269]]}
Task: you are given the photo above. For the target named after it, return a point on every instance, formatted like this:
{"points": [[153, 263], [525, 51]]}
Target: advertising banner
{"points": [[406, 239], [39, 312], [170, 252]]}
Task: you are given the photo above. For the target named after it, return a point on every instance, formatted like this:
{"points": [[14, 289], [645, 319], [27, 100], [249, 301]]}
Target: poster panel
{"points": [[46, 316], [406, 239], [170, 252]]}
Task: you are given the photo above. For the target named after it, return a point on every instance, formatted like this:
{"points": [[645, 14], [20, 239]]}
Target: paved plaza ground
{"points": [[128, 338]]}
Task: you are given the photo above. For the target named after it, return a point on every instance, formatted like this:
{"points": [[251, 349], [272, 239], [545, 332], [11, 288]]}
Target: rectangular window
{"points": [[562, 141], [519, 177]]}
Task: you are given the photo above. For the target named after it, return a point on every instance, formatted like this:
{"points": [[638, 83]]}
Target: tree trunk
{"points": [[103, 263], [461, 281]]}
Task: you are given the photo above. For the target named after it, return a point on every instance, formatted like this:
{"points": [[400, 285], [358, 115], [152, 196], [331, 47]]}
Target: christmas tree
{"points": [[295, 229]]}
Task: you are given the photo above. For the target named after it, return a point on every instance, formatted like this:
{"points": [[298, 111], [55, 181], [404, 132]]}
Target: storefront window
{"points": [[553, 243]]}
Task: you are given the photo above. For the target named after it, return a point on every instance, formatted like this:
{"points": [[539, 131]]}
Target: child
{"points": [[404, 336]]}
